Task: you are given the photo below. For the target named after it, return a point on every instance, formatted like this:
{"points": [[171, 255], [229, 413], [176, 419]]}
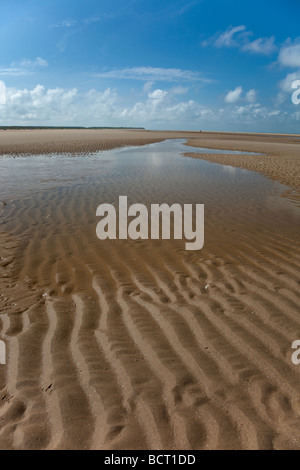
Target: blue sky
{"points": [[199, 64]]}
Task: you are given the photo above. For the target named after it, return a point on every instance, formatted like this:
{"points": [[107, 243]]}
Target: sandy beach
{"points": [[139, 344]]}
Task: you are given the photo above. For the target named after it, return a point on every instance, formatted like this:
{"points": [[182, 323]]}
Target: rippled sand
{"points": [[141, 344]]}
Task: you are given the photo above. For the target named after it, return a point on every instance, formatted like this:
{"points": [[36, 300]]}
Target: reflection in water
{"points": [[22, 175], [154, 173]]}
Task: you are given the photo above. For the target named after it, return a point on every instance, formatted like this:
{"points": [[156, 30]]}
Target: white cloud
{"points": [[179, 90], [289, 56], [28, 63], [238, 37], [153, 74], [64, 24], [251, 96], [228, 38], [183, 9], [234, 95], [147, 86], [38, 104], [160, 109], [58, 106], [285, 85], [157, 96], [70, 22], [264, 46], [2, 93], [254, 111], [237, 95], [12, 71], [23, 67], [39, 62]]}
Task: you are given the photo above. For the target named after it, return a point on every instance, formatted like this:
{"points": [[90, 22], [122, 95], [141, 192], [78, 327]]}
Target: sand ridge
{"points": [[278, 159], [40, 141]]}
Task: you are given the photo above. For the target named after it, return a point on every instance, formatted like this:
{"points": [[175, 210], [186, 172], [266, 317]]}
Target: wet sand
{"points": [[140, 344], [279, 159], [76, 140]]}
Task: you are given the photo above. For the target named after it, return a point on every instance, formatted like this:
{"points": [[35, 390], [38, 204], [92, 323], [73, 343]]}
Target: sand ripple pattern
{"points": [[142, 345]]}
